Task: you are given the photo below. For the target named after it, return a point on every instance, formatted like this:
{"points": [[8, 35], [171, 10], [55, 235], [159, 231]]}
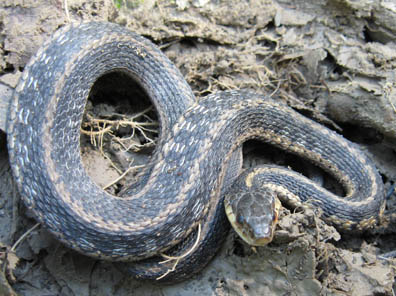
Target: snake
{"points": [[179, 204]]}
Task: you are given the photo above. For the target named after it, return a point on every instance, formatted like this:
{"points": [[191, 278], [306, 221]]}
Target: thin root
{"points": [[123, 175], [99, 128]]}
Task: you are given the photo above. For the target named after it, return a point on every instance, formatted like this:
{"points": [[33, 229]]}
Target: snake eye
{"points": [[240, 219]]}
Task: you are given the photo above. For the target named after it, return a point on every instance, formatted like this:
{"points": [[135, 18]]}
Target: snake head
{"points": [[253, 215]]}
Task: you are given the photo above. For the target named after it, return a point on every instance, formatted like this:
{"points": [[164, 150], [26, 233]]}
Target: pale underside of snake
{"points": [[193, 166]]}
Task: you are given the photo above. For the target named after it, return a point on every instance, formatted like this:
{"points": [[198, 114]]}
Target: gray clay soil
{"points": [[332, 60]]}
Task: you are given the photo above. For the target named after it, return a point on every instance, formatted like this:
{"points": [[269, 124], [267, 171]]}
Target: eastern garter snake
{"points": [[185, 178]]}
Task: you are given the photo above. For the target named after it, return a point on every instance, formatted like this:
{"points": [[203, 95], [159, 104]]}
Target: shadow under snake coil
{"points": [[184, 188]]}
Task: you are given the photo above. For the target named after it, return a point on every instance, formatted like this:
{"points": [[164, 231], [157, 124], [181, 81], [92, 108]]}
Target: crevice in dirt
{"points": [[332, 65], [361, 135]]}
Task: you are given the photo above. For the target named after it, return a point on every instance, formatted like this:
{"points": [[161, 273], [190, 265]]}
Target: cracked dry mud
{"points": [[332, 60]]}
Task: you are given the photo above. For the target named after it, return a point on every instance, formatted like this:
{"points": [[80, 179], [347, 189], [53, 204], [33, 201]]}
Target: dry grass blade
{"points": [[11, 260], [388, 89], [178, 258]]}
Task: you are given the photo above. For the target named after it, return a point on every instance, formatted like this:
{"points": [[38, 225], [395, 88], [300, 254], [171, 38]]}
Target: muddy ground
{"points": [[332, 60]]}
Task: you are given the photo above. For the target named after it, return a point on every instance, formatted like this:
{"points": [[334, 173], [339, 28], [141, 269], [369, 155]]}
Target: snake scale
{"points": [[181, 199]]}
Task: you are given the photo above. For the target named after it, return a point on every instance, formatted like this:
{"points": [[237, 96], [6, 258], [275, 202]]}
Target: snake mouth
{"points": [[248, 235]]}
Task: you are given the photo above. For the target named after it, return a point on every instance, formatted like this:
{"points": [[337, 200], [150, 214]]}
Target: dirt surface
{"points": [[332, 60]]}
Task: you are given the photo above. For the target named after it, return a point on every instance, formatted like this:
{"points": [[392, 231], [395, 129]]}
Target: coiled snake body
{"points": [[198, 140]]}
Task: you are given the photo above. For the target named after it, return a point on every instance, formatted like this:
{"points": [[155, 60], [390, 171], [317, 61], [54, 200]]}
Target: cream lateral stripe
{"points": [[352, 150], [292, 174]]}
